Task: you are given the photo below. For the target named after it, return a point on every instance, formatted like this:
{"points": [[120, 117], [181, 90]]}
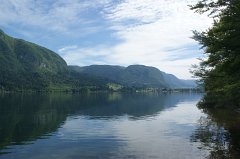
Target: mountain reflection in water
{"points": [[112, 125]]}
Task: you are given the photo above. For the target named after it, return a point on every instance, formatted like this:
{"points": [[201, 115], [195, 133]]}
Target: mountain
{"points": [[104, 71], [175, 82], [24, 64], [20, 55], [27, 66], [190, 83], [135, 76], [145, 76]]}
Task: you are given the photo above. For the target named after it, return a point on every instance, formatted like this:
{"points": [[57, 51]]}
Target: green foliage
{"points": [[220, 71]]}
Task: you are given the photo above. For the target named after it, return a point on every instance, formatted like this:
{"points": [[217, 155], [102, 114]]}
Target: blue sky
{"points": [[116, 32]]}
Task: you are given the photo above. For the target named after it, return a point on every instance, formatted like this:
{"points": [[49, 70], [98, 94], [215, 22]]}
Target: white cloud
{"points": [[155, 33], [75, 55], [157, 28], [61, 15], [67, 48], [151, 32]]}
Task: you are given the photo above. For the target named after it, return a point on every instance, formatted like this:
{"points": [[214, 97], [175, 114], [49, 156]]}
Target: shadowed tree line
{"points": [[219, 73], [220, 70]]}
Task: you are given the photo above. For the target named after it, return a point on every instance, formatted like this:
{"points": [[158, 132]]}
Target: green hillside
{"points": [[24, 65], [27, 66], [135, 76], [145, 76]]}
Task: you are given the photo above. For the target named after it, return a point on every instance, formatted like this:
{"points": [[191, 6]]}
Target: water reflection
{"points": [[219, 132], [103, 125]]}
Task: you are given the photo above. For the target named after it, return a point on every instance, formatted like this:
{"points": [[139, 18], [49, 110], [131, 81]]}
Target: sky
{"points": [[113, 32]]}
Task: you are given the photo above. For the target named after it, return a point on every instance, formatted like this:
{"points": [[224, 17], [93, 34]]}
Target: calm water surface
{"points": [[113, 125]]}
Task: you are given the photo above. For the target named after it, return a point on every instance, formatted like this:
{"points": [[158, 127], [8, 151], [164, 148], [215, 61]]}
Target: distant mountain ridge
{"points": [[175, 82], [28, 66], [136, 75]]}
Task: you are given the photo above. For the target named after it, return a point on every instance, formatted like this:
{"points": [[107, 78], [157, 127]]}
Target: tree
{"points": [[220, 71]]}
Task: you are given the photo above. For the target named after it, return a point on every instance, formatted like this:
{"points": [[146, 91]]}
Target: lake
{"points": [[114, 125]]}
